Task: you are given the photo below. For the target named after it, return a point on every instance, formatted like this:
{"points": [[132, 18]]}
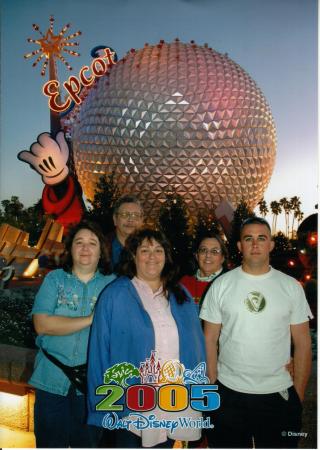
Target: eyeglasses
{"points": [[128, 215], [207, 251]]}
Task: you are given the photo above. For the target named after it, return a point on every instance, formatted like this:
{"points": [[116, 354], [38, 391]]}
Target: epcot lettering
{"points": [[73, 86]]}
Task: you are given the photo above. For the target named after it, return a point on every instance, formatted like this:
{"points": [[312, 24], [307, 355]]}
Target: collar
{"points": [[144, 285], [97, 274], [209, 278], [261, 276]]}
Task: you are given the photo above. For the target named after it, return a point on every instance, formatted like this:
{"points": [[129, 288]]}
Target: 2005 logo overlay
{"points": [[161, 385]]}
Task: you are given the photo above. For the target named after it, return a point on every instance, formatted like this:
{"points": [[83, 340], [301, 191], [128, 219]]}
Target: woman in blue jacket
{"points": [[62, 315], [145, 312]]}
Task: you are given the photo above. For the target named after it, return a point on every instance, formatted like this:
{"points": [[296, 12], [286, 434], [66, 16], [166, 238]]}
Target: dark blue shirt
{"points": [[116, 249]]}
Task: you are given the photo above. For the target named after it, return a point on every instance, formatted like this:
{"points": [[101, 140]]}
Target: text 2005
{"points": [[169, 397]]}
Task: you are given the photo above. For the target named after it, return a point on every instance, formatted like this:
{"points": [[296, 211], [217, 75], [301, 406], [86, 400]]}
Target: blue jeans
{"points": [[60, 422]]}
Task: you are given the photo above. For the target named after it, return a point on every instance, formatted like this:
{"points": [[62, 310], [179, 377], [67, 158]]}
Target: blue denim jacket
{"points": [[63, 294], [122, 331]]}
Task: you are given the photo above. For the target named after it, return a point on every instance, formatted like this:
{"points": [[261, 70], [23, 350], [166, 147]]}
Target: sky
{"points": [[275, 41]]}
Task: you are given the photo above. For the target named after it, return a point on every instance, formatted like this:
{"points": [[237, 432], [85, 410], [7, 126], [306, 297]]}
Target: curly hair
{"points": [[169, 274], [104, 261]]}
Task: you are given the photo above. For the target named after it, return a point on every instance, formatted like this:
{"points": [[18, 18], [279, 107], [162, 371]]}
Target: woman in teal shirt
{"points": [[62, 315]]}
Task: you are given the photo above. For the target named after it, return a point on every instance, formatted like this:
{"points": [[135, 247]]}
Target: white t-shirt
{"points": [[256, 312]]}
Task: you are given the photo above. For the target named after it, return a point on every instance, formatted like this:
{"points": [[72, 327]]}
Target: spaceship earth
{"points": [[176, 117]]}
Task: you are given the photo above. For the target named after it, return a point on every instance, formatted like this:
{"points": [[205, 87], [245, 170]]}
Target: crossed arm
{"points": [[60, 325]]}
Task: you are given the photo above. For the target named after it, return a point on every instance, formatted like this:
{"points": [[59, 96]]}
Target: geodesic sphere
{"points": [[176, 117]]}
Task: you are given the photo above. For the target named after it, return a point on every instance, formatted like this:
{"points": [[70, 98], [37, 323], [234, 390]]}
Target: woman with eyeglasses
{"points": [[211, 255]]}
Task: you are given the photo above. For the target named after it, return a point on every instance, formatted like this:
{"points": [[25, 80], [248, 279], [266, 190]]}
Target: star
{"points": [[51, 44]]}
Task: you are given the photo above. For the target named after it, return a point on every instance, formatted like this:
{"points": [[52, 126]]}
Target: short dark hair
{"points": [[254, 220], [125, 199], [104, 261], [212, 235], [169, 275]]}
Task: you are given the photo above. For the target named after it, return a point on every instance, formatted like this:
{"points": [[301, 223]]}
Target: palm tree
{"points": [[263, 207], [295, 207], [286, 206], [276, 209], [299, 216]]}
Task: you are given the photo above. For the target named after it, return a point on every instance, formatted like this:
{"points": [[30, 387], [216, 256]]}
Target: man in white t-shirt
{"points": [[252, 315]]}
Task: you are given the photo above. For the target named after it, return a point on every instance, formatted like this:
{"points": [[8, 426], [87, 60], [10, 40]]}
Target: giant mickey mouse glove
{"points": [[48, 157], [62, 193]]}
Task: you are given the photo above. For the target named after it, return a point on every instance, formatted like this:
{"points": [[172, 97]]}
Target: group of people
{"points": [[242, 323]]}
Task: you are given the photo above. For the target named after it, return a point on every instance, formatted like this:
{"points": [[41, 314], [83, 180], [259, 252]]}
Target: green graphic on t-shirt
{"points": [[120, 373], [255, 302]]}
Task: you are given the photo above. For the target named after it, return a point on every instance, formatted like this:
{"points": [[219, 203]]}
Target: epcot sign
{"points": [[73, 86]]}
